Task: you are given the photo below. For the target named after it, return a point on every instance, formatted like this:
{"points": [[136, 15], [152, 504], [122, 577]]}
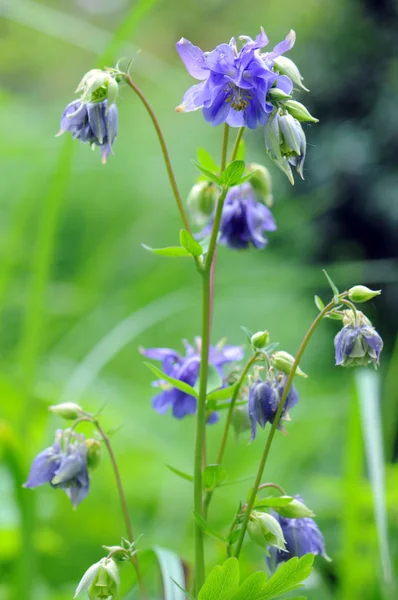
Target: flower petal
{"points": [[193, 59]]}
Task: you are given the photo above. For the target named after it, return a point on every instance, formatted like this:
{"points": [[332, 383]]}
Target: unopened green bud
{"points": [[285, 66], [294, 510], [261, 182], [201, 201], [101, 580], [299, 112], [93, 453], [98, 85], [240, 419], [67, 410], [260, 339], [277, 95], [265, 530], [361, 293], [283, 361]]}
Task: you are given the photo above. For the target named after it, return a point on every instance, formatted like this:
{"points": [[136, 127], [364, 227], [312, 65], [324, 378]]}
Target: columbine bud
{"points": [[277, 95], [93, 453], [201, 202], [299, 112], [358, 343], [67, 410], [260, 339], [261, 182], [285, 142], [296, 509], [283, 361], [101, 580], [361, 293], [265, 530], [98, 85], [285, 66], [240, 419]]}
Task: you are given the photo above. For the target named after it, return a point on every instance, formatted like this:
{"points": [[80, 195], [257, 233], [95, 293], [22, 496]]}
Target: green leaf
{"points": [[334, 316], [213, 476], [233, 536], [181, 385], [222, 393], [273, 502], [189, 243], [214, 379], [288, 577], [203, 524], [318, 303], [247, 332], [252, 587], [271, 347], [172, 571], [248, 177], [170, 251], [222, 582], [206, 160], [220, 405], [332, 285], [187, 594], [208, 174], [233, 173], [181, 474]]}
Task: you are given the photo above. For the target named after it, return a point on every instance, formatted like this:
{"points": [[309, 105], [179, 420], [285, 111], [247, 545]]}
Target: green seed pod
{"points": [[299, 111], [361, 293]]}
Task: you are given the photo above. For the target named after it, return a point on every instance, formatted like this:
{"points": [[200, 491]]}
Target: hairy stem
{"points": [[271, 434], [164, 149]]}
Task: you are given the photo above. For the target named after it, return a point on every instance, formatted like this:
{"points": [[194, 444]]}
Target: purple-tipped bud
{"points": [[264, 401], [93, 123], [358, 343]]}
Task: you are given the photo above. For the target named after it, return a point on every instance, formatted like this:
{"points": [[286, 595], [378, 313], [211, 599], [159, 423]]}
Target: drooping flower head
{"points": [[302, 536], [286, 142], [63, 465], [186, 368], [358, 343], [93, 123], [264, 400], [244, 219], [234, 83]]}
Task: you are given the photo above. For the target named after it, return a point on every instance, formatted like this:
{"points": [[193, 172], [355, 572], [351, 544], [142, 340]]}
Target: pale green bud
{"points": [[265, 530], [361, 293], [98, 85], [277, 95], [93, 453], [283, 361], [299, 111], [67, 410], [285, 66], [261, 182], [294, 510], [201, 202], [260, 339], [101, 580]]}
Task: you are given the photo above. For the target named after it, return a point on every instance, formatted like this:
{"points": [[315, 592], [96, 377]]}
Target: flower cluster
{"points": [[64, 466], [265, 398], [358, 343], [186, 369]]}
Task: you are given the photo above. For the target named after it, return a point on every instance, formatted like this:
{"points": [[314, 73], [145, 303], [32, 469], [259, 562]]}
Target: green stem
{"points": [[236, 144], [263, 486], [164, 149], [224, 147], [133, 559], [271, 434], [215, 230]]}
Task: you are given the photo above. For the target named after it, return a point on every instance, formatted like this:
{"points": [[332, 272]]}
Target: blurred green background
{"points": [[78, 294]]}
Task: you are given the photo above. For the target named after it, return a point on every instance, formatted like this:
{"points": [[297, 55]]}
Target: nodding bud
{"points": [[265, 530], [260, 339], [98, 85], [101, 580], [361, 293], [67, 410], [93, 453], [286, 66], [283, 361], [296, 509], [201, 202], [285, 142], [299, 112], [261, 182]]}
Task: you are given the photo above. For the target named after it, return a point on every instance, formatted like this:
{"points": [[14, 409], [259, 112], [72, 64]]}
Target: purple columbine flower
{"points": [[302, 536], [64, 466], [234, 84], [264, 400], [186, 368], [92, 123], [358, 343]]}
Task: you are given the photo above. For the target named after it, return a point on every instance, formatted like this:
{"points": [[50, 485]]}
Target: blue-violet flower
{"points": [[186, 368], [358, 343]]}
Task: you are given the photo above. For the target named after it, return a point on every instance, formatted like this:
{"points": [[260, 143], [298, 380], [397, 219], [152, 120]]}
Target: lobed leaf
{"points": [[288, 577], [232, 175], [213, 476], [222, 582]]}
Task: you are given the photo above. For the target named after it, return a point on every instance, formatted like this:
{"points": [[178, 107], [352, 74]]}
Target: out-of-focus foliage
{"points": [[78, 294]]}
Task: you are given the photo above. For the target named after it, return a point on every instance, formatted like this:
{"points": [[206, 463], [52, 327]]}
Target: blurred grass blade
{"points": [[368, 388], [117, 338], [172, 573]]}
